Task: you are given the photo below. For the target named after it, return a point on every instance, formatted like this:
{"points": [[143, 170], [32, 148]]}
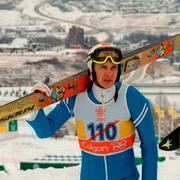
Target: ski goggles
{"points": [[101, 55]]}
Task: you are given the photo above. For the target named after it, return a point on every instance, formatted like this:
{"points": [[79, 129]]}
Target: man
{"points": [[106, 114]]}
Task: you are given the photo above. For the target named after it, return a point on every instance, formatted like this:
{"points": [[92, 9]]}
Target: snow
{"points": [[55, 12], [101, 37], [170, 169], [7, 20], [25, 148], [27, 8], [106, 20], [101, 20], [171, 79], [28, 148], [71, 173]]}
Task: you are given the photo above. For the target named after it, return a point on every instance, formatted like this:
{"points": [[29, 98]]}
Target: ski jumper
{"points": [[106, 133]]}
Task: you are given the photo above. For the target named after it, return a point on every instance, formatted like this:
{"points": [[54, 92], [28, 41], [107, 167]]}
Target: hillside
{"points": [[163, 71]]}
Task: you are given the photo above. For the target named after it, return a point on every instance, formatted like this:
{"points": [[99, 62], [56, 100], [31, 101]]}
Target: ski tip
{"points": [[171, 142]]}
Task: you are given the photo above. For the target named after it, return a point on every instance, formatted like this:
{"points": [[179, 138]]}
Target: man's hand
{"points": [[41, 87]]}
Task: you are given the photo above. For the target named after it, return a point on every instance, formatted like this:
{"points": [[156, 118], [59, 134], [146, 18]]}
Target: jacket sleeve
{"points": [[46, 125], [141, 115]]}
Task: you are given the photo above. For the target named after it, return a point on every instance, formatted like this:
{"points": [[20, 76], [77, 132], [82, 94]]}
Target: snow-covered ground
{"points": [[14, 151]]}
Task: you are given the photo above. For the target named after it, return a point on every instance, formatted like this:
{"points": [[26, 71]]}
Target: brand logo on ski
{"points": [[16, 114], [167, 144]]}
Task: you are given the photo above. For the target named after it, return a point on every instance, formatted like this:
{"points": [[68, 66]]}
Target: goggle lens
{"points": [[101, 55]]}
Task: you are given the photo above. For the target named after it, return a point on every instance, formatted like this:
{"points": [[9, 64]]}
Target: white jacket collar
{"points": [[103, 95]]}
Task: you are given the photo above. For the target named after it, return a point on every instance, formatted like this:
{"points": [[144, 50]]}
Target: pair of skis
{"points": [[77, 83]]}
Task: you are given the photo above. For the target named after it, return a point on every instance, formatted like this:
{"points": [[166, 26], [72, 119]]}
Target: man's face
{"points": [[106, 73]]}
